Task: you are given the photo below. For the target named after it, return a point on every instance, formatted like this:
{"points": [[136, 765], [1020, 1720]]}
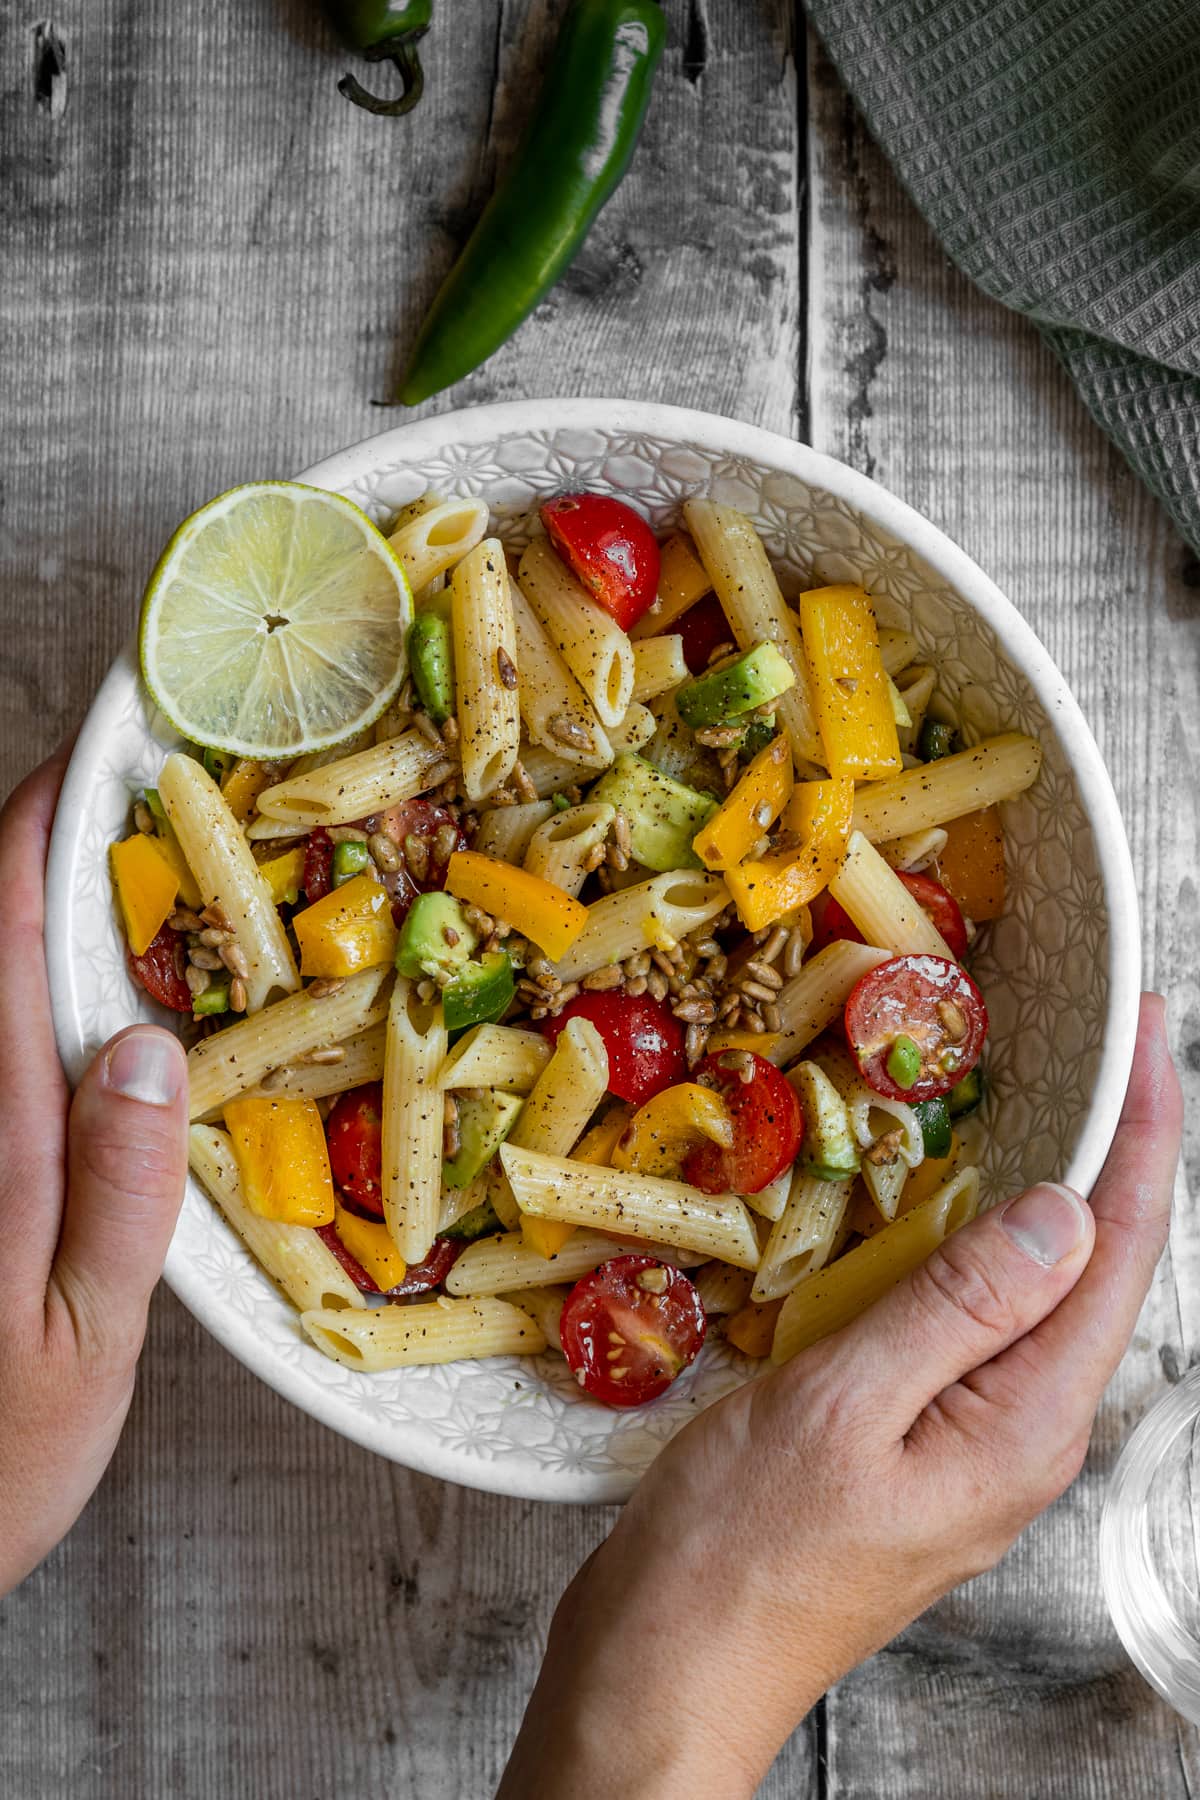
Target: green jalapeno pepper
{"points": [[574, 152], [384, 31]]}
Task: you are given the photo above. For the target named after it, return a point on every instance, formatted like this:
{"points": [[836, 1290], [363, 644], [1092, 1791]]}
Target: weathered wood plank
{"points": [[1017, 1687], [211, 265]]}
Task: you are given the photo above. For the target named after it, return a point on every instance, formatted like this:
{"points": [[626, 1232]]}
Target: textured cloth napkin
{"points": [[1054, 147]]}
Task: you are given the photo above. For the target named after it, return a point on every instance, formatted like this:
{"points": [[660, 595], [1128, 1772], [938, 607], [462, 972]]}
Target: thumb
{"points": [[126, 1165], [986, 1286]]}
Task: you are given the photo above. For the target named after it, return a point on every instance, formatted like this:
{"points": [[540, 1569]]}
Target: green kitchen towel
{"points": [[1054, 147]]}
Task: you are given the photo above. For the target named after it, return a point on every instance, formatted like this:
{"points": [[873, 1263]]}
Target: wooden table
{"points": [[210, 265]]}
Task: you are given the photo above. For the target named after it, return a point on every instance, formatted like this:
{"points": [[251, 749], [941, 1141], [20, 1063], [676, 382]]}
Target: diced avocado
{"points": [[936, 739], [759, 733], [481, 993], [435, 938], [664, 815], [753, 679], [937, 1133], [968, 1095], [350, 858], [431, 664], [214, 999], [829, 1149], [483, 1125], [475, 1224]]}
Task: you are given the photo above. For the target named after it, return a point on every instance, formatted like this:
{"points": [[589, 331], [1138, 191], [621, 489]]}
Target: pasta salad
{"points": [[610, 987]]}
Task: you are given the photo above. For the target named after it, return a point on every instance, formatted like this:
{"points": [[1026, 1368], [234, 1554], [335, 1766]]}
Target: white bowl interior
{"points": [[1059, 971]]}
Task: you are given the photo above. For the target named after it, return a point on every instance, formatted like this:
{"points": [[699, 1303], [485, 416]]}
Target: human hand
{"points": [[803, 1521], [89, 1190]]}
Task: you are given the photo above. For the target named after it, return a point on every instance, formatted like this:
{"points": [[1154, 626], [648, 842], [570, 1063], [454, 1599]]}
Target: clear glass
{"points": [[1150, 1547]]}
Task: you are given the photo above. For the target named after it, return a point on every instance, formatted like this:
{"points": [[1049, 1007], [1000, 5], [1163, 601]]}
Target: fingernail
{"points": [[1046, 1223], [145, 1065]]}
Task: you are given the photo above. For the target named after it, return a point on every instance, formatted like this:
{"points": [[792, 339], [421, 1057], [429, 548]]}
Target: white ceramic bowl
{"points": [[1060, 970]]}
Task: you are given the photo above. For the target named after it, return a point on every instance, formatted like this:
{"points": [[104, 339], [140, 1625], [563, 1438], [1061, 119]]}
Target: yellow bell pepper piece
{"points": [[171, 851], [350, 929], [662, 1131], [283, 875], [760, 1042], [546, 1237], [370, 1243], [752, 1329], [849, 684], [146, 886], [819, 815], [283, 1159], [753, 806], [538, 909], [682, 580], [244, 783], [971, 865]]}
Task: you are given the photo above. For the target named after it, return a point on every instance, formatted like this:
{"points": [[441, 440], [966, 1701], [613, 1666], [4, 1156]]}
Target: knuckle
{"points": [[954, 1283]]}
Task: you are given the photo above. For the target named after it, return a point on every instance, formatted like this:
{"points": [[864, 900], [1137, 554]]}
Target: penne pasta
{"points": [[458, 1202], [873, 1115], [567, 1092], [436, 538], [810, 1002], [504, 831], [831, 1297], [485, 669], [295, 1258], [881, 906], [501, 1056], [770, 1201], [740, 570], [588, 639], [361, 1060], [914, 852], [638, 1206], [544, 1306], [803, 1237], [370, 781], [237, 1059], [897, 649], [884, 1182], [722, 1289], [915, 689], [496, 1265], [551, 773], [413, 1113], [556, 712], [652, 915], [562, 846], [227, 877], [997, 769], [658, 666], [433, 1331]]}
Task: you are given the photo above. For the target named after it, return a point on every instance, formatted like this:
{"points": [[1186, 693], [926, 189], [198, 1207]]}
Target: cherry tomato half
{"points": [[702, 627], [768, 1126], [609, 548], [159, 969], [645, 1042], [629, 1328], [935, 1005], [354, 1133], [317, 878], [831, 920]]}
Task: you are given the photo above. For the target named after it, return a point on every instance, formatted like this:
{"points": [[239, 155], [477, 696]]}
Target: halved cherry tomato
{"points": [[422, 819], [609, 548], [702, 627], [354, 1132], [629, 1328], [831, 920], [159, 969], [768, 1126], [317, 878], [645, 1042], [928, 1000]]}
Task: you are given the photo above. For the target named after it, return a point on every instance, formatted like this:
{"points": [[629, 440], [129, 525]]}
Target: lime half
{"points": [[275, 622]]}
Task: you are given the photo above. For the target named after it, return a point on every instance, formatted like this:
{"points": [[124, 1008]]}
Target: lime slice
{"points": [[275, 622]]}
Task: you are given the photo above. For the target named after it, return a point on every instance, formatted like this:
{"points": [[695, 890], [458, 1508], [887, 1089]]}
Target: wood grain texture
{"points": [[1016, 1688], [212, 267]]}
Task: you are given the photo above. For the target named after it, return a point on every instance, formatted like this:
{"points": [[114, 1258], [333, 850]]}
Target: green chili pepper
{"points": [[933, 1116], [350, 858], [431, 661], [936, 740], [384, 31], [904, 1062], [574, 152]]}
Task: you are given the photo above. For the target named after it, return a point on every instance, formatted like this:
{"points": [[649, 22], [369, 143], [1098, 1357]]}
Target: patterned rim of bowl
{"points": [[500, 1426]]}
